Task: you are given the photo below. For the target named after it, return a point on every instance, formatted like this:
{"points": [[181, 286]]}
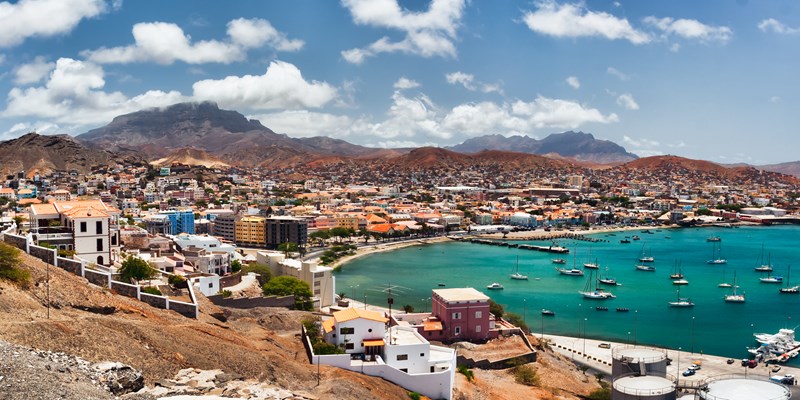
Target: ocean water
{"points": [[712, 326]]}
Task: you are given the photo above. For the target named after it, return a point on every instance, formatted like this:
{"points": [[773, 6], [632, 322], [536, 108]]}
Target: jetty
{"points": [[548, 249]]}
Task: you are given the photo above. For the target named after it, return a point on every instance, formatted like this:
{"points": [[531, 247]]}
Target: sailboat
{"points": [[716, 258], [597, 293], [681, 301], [591, 265], [574, 271], [516, 275], [764, 267], [771, 279], [734, 297], [645, 258], [724, 283], [677, 273], [789, 289], [607, 280]]}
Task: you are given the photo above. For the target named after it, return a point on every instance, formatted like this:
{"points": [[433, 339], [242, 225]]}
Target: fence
{"points": [[101, 276]]}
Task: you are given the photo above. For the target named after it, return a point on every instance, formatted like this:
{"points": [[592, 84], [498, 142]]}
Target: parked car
{"points": [[694, 367], [730, 361], [604, 345], [689, 372]]}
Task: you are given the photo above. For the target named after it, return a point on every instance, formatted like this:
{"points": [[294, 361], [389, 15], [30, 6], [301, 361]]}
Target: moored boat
{"points": [[789, 289], [571, 271], [559, 261], [681, 301], [494, 286], [548, 312], [516, 275], [735, 297], [648, 268]]}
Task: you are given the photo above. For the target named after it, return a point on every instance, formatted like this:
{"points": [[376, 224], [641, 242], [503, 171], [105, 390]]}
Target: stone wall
{"points": [[153, 300], [125, 289], [44, 254], [20, 242], [250, 302], [185, 309], [230, 280], [70, 265], [98, 278]]}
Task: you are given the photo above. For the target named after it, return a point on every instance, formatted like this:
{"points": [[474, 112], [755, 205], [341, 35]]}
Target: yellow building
{"points": [[349, 221], [251, 231]]}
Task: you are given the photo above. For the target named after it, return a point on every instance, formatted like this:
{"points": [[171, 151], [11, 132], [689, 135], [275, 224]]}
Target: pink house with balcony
{"points": [[464, 314]]}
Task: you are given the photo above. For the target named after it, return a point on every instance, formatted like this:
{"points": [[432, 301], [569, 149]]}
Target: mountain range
{"points": [[204, 134]]}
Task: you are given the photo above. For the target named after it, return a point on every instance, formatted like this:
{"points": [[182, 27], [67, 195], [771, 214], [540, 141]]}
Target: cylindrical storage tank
{"points": [[632, 386], [627, 359], [740, 387]]}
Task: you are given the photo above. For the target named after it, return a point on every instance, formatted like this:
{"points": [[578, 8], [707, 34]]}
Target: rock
{"points": [[225, 377]]}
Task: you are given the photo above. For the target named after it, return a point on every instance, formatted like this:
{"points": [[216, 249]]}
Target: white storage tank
{"points": [[638, 359], [739, 387], [633, 386]]}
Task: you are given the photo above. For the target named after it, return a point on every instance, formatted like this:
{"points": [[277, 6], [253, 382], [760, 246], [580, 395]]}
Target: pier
{"points": [[547, 249]]}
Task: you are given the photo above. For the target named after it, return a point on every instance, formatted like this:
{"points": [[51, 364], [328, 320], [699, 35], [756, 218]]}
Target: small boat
{"points": [[622, 309], [677, 273], [635, 237], [590, 265], [714, 239], [734, 297], [601, 308], [516, 275], [607, 280], [761, 266], [442, 285], [625, 241], [494, 286], [559, 261], [716, 258], [771, 279], [648, 268], [548, 312], [572, 271], [789, 289], [645, 258], [680, 282], [681, 301], [597, 293]]}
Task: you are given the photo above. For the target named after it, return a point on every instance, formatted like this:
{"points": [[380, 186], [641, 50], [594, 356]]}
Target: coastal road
{"points": [[589, 353]]}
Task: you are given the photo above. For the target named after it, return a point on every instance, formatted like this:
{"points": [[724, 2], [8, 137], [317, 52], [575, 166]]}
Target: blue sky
{"points": [[715, 80]]}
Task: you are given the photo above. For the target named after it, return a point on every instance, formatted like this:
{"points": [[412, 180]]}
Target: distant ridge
{"points": [[576, 145], [189, 156], [688, 167]]}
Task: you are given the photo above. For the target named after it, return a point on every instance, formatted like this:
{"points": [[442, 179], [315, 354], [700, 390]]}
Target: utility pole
{"points": [[48, 289]]}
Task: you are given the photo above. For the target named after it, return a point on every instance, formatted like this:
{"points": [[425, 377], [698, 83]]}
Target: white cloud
{"points": [[33, 72], [640, 143], [626, 100], [281, 87], [557, 113], [73, 95], [166, 43], [574, 82], [21, 128], [622, 76], [43, 18], [675, 47], [405, 83], [772, 24], [468, 82], [690, 29], [427, 34], [575, 20], [304, 123]]}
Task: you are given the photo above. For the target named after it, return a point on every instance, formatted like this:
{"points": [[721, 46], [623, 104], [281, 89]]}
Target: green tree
{"points": [[134, 268], [516, 320], [290, 286], [263, 271], [10, 265], [288, 247], [408, 308], [236, 266], [496, 309]]}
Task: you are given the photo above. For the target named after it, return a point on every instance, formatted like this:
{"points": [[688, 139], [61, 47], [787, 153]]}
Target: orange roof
{"points": [[355, 313], [380, 228], [374, 219], [432, 326], [374, 342], [327, 325], [29, 201]]}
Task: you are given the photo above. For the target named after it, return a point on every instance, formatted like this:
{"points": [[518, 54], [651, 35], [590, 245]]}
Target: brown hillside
{"points": [[672, 162], [161, 342], [190, 156]]}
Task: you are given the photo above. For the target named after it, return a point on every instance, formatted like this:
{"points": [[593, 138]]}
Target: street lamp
{"points": [[584, 337], [353, 287], [635, 326], [542, 327], [678, 374], [692, 335], [365, 301], [524, 310]]}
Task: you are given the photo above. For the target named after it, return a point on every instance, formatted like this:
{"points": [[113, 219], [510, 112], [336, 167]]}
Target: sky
{"points": [[714, 79]]}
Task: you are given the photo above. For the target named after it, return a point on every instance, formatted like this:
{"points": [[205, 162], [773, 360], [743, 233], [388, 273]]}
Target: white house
{"points": [[399, 354], [319, 278]]}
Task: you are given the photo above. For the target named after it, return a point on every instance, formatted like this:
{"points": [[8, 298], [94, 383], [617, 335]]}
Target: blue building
{"points": [[180, 221]]}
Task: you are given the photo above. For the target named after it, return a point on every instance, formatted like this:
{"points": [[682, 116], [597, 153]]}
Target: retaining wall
{"points": [[43, 253], [153, 300], [230, 280], [20, 242], [69, 265], [96, 277], [185, 309], [125, 289], [250, 302]]}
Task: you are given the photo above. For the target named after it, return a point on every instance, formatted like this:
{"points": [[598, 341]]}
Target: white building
{"points": [[399, 354], [210, 243], [320, 279]]}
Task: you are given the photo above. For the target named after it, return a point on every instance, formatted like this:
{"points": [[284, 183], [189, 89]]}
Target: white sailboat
{"points": [[677, 273], [734, 297], [789, 289], [724, 283], [646, 258], [608, 280], [597, 293], [516, 275], [761, 267], [681, 301], [716, 257], [574, 271]]}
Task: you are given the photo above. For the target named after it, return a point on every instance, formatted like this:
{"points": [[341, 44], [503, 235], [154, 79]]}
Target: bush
{"points": [[263, 271], [152, 290], [600, 394], [177, 281], [414, 395], [516, 320], [10, 265], [236, 266], [137, 269], [526, 375], [323, 348], [290, 286], [496, 309], [462, 369], [227, 293]]}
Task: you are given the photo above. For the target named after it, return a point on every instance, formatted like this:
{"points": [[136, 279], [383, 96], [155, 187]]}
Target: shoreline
{"points": [[383, 247]]}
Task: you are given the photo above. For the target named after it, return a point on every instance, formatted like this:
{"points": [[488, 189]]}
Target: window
{"points": [[404, 370], [99, 244], [369, 330], [432, 369], [83, 226], [349, 346], [458, 330], [478, 314], [478, 328], [402, 357], [100, 260], [347, 331], [456, 315], [422, 354], [210, 285], [114, 240], [98, 226]]}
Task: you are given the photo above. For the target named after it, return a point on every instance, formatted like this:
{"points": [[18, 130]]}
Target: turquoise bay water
{"points": [[712, 326]]}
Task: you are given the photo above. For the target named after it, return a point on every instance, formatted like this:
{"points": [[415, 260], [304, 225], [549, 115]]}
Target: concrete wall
{"points": [[20, 242], [153, 300], [69, 265], [98, 278], [185, 309], [250, 302], [126, 289], [230, 280], [43, 253]]}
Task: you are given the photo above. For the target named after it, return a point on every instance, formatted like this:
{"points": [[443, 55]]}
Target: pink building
{"points": [[463, 312]]}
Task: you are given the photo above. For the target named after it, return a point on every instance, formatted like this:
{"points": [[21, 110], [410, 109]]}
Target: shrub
{"points": [[462, 369], [177, 281], [137, 269], [496, 309], [516, 320], [236, 266], [526, 375], [323, 348], [414, 395], [152, 290], [290, 286], [227, 293], [263, 271], [10, 265], [600, 394]]}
